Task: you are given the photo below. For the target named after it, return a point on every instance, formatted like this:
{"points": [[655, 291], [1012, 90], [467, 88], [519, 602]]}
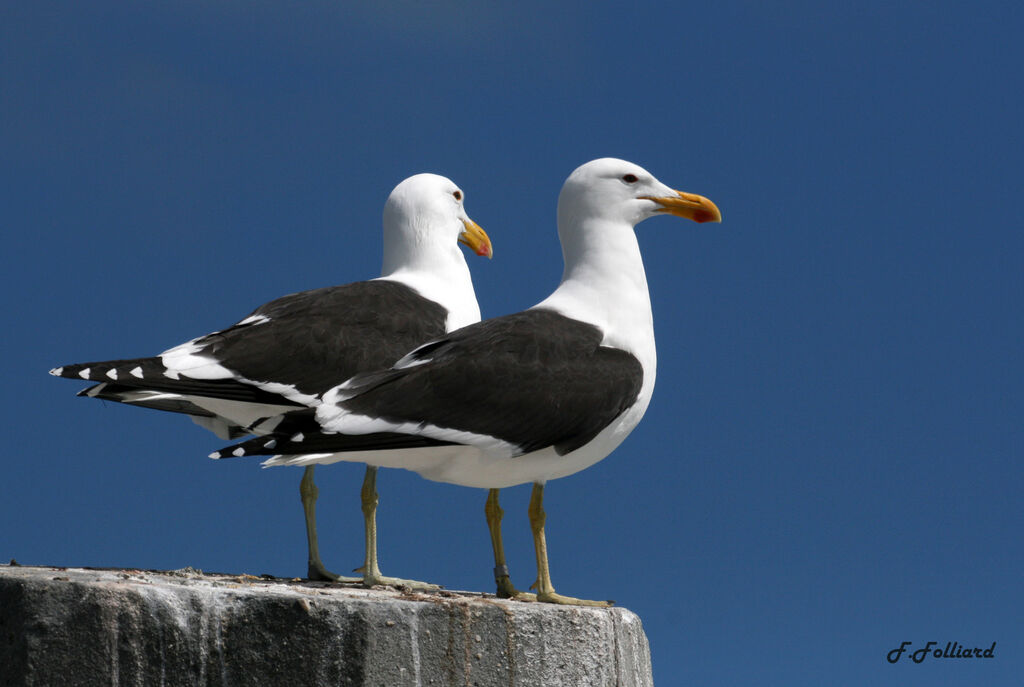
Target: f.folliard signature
{"points": [[951, 650]]}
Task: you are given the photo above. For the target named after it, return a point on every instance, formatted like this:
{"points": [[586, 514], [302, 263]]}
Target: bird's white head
{"points": [[618, 191], [424, 219], [600, 204], [604, 282]]}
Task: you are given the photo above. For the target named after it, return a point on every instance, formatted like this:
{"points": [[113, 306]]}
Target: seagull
{"points": [[527, 397], [247, 378]]}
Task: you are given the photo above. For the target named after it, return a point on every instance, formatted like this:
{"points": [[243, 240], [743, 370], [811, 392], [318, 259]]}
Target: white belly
{"points": [[470, 466]]}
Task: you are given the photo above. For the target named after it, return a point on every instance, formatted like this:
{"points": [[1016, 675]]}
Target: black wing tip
{"points": [[243, 449], [108, 370], [75, 371], [229, 452], [79, 371]]}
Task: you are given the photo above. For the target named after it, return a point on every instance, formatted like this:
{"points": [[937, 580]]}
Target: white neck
{"points": [[604, 283], [442, 276]]}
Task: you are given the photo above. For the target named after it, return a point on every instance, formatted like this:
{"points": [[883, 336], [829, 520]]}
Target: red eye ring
{"points": [[457, 194], [630, 178]]}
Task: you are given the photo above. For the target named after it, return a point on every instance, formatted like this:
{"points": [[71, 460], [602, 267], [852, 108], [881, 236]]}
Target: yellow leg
{"points": [[309, 493], [494, 514], [370, 570], [546, 590]]}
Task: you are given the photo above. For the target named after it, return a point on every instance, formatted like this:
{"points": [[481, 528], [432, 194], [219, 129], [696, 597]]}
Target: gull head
{"points": [[621, 192], [425, 216]]}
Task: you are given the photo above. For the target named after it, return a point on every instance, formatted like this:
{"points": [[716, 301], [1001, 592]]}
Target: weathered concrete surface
{"points": [[75, 626]]}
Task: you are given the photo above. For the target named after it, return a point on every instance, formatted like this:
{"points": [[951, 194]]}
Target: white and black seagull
{"points": [[528, 397], [245, 379]]}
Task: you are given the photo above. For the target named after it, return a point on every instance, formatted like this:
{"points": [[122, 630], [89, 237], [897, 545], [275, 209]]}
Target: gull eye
{"points": [[630, 178], [457, 194]]}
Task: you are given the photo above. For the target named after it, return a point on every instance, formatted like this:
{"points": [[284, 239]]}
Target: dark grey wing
{"points": [[316, 339], [533, 379], [310, 340]]}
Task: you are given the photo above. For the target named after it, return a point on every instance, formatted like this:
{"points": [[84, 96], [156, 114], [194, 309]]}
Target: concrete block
{"points": [[68, 627]]}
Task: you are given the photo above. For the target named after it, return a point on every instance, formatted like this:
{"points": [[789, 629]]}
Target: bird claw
{"points": [[553, 598], [524, 596], [318, 573], [415, 585], [506, 590]]}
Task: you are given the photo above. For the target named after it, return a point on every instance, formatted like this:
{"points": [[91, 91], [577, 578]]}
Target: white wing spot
{"points": [[112, 373], [270, 444], [298, 437], [254, 319], [136, 372], [238, 451], [57, 371], [84, 374]]}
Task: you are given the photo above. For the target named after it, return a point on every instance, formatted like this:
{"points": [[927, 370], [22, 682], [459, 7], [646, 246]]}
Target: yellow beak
{"points": [[476, 238], [688, 205]]}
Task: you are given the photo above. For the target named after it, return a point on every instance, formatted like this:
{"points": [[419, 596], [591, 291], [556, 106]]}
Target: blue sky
{"points": [[832, 460]]}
